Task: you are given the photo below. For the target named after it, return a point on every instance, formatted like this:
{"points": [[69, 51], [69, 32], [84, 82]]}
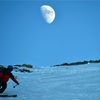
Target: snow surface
{"points": [[80, 82]]}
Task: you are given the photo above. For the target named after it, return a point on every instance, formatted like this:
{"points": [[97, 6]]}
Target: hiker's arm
{"points": [[15, 80]]}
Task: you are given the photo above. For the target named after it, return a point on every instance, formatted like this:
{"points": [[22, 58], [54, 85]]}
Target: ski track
{"points": [[58, 83]]}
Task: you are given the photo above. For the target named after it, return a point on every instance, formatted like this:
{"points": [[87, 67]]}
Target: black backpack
{"points": [[3, 69]]}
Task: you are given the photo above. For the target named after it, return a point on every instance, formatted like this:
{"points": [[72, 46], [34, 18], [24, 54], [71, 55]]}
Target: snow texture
{"points": [[80, 82]]}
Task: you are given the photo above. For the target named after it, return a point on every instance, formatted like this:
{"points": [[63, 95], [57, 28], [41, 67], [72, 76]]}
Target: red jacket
{"points": [[4, 77]]}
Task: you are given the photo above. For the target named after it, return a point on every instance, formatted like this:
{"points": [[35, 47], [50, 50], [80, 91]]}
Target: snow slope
{"points": [[58, 83]]}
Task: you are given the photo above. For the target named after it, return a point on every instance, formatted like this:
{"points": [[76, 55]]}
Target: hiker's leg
{"points": [[3, 86]]}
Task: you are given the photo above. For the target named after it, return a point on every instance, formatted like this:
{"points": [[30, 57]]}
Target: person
{"points": [[5, 74]]}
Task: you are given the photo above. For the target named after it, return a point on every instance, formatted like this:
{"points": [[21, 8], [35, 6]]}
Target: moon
{"points": [[48, 13]]}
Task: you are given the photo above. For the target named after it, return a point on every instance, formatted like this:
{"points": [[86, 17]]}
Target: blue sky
{"points": [[26, 38]]}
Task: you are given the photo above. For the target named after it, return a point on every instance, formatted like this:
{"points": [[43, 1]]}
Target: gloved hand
{"points": [[17, 83]]}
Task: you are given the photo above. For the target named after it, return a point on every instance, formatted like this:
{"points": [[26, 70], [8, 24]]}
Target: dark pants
{"points": [[3, 86]]}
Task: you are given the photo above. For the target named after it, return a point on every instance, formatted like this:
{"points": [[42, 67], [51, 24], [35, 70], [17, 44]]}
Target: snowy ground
{"points": [[57, 83]]}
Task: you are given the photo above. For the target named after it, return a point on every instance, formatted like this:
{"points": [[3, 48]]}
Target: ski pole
{"points": [[14, 86]]}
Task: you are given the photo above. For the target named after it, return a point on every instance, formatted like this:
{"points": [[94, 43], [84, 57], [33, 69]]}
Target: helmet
{"points": [[10, 68]]}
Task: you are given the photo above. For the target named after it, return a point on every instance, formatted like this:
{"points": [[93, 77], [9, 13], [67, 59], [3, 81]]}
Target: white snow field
{"points": [[80, 82]]}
